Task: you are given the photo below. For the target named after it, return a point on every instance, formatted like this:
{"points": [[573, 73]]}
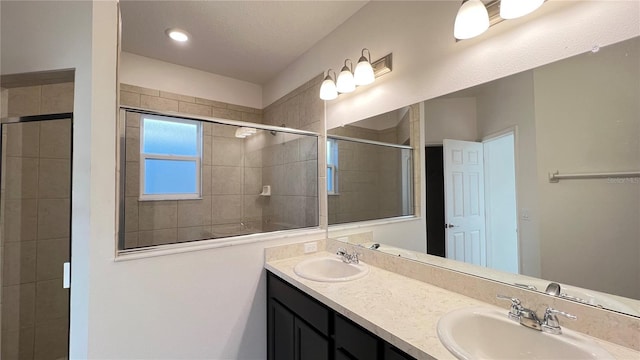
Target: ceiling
{"points": [[246, 40]]}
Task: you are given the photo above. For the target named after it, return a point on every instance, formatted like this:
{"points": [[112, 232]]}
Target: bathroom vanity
{"points": [[300, 327], [386, 314]]}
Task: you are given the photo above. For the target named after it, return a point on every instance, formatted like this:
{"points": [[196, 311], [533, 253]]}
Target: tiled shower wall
{"points": [[34, 234], [370, 176], [230, 185], [229, 178], [299, 198], [234, 172]]}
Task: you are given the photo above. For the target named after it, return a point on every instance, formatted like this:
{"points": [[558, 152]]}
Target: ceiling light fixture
{"points": [[364, 71], [472, 20], [177, 35], [345, 83], [476, 16], [328, 90], [512, 9]]}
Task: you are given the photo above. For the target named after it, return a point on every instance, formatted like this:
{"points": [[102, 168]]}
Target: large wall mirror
{"points": [[534, 178], [370, 168]]}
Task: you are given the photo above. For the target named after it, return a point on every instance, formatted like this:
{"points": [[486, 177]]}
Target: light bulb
{"points": [[177, 35], [511, 9], [471, 21], [345, 82], [364, 72], [328, 89]]}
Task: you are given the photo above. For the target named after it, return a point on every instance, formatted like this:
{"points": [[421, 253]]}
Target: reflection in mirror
{"points": [[392, 127], [189, 179], [367, 180], [577, 116]]}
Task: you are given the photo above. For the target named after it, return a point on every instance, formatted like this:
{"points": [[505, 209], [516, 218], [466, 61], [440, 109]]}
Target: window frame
{"points": [[197, 158], [332, 167]]}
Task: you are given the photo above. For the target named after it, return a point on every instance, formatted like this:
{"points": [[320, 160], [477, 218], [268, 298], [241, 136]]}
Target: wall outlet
{"points": [[310, 247]]}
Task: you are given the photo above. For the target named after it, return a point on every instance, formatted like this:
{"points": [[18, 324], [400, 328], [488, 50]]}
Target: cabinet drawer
{"points": [[355, 341], [307, 308]]}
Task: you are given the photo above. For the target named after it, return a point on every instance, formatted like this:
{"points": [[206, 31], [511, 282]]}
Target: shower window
{"points": [[170, 158], [332, 167]]}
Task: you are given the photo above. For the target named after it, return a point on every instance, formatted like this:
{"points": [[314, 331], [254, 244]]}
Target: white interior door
{"points": [[501, 203], [464, 201]]}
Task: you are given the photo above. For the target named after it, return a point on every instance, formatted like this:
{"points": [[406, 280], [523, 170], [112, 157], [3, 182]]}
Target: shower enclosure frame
{"points": [[50, 117], [121, 160]]}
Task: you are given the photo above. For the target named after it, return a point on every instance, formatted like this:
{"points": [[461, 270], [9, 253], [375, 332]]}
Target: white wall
{"points": [[590, 124], [143, 71], [47, 35], [427, 62], [209, 304]]}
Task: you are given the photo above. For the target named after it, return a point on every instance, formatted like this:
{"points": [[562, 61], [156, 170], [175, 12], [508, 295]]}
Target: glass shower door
{"points": [[35, 238]]}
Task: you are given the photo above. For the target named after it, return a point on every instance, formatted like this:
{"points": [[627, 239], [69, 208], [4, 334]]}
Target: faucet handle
{"points": [[550, 322], [514, 301], [516, 307], [341, 251]]}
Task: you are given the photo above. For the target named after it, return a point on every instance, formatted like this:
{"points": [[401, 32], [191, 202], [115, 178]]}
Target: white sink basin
{"points": [[484, 333], [330, 269]]}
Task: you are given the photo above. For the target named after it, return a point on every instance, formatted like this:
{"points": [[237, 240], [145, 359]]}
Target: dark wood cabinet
{"points": [[393, 353], [281, 332], [301, 328], [310, 345]]}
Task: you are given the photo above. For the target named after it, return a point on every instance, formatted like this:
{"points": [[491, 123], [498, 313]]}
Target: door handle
{"points": [[449, 226], [66, 277]]}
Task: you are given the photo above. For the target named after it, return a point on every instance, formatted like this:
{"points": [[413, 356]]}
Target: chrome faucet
{"points": [[348, 258], [529, 318], [553, 289]]}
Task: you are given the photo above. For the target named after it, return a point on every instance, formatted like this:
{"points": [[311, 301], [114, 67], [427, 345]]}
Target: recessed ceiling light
{"points": [[177, 35]]}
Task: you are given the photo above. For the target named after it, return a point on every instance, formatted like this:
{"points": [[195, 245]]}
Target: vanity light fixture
{"points": [[346, 83], [366, 73], [363, 74], [476, 16], [328, 90], [471, 21], [177, 35], [512, 9], [244, 132]]}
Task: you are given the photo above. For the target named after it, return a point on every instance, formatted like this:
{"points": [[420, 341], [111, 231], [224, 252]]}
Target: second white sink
{"points": [[485, 333], [330, 269]]}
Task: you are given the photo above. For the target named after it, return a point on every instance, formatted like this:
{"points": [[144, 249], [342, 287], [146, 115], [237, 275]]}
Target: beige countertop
{"points": [[400, 310]]}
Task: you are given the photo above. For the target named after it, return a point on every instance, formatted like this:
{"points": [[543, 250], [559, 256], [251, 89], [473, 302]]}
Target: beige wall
{"points": [[35, 224], [590, 124], [450, 118], [508, 103]]}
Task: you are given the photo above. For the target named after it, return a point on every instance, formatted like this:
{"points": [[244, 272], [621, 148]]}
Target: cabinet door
{"points": [[353, 341], [281, 332], [309, 344], [391, 353]]}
